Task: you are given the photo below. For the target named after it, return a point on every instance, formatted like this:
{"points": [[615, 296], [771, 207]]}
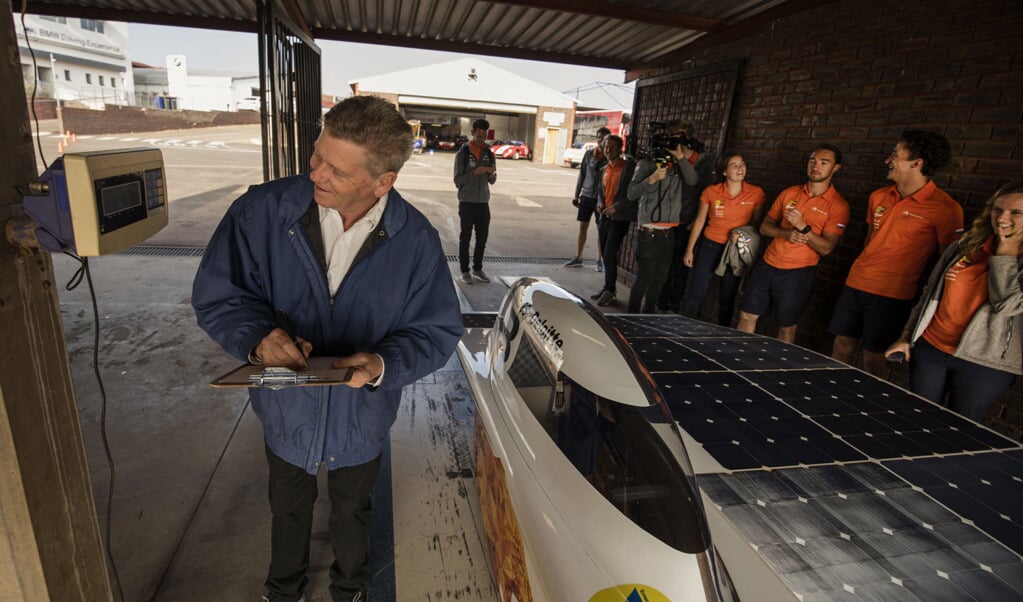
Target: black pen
{"points": [[288, 327]]}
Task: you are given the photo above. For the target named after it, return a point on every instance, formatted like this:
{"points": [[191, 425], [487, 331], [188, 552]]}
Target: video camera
{"points": [[662, 141]]}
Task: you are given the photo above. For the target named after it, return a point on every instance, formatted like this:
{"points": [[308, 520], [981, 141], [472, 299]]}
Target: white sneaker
{"points": [[466, 278], [479, 275], [600, 266]]}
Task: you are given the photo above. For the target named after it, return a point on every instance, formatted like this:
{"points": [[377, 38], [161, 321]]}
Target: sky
{"points": [[344, 61]]}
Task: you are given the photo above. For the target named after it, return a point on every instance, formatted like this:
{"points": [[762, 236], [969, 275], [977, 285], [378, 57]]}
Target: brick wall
{"points": [[120, 120], [858, 72]]}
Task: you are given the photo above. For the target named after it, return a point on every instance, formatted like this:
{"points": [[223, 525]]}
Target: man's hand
{"points": [[482, 169], [367, 368], [795, 217], [278, 350], [608, 211], [734, 235], [659, 174], [797, 237], [575, 202], [900, 346]]}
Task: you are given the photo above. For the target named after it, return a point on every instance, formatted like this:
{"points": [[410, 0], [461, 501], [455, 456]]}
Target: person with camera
{"points": [[806, 221], [966, 333], [907, 222], [724, 208], [658, 186], [616, 211], [475, 171], [585, 199]]}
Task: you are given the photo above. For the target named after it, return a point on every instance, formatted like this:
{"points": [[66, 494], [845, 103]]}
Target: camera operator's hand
{"points": [[659, 174], [575, 202]]}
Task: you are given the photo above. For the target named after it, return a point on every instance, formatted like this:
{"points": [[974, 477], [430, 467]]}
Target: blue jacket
{"points": [[397, 300]]}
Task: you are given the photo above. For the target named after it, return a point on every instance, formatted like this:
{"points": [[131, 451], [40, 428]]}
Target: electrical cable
{"points": [[73, 283], [35, 80]]}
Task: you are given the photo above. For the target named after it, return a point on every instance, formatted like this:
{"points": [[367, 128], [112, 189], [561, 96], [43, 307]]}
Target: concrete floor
{"points": [[189, 515]]}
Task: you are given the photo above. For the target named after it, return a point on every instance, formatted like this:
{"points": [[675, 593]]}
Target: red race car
{"points": [[512, 149]]}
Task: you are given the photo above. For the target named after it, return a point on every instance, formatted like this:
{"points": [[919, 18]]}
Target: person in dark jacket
{"points": [[616, 211], [966, 332], [330, 263], [475, 170], [585, 199]]}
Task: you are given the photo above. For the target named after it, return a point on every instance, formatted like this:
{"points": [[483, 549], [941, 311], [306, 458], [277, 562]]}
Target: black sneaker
{"points": [[606, 298]]}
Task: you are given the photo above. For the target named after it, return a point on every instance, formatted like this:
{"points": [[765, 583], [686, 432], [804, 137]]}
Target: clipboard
{"points": [[317, 373]]}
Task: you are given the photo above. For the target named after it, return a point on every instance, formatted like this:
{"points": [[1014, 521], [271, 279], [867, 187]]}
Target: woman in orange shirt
{"points": [[724, 207], [966, 332]]}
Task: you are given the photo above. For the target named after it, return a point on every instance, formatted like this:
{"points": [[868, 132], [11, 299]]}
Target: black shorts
{"points": [[587, 207], [875, 320], [788, 290]]}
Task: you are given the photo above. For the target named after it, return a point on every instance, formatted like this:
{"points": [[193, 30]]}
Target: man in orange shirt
{"points": [[907, 222], [806, 222]]}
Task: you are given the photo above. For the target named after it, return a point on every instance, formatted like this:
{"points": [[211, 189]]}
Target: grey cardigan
{"points": [[994, 336]]}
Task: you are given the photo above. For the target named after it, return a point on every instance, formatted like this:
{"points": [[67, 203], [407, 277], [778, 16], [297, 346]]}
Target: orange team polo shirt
{"points": [[964, 292], [827, 212], [905, 234], [725, 213], [612, 175]]}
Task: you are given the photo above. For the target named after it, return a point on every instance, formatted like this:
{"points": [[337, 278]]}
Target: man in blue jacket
{"points": [[362, 277]]}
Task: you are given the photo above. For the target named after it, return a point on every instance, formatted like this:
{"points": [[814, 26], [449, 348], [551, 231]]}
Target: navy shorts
{"points": [[875, 320], [788, 290], [587, 207]]}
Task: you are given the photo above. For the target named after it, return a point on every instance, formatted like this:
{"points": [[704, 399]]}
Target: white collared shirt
{"points": [[340, 246]]}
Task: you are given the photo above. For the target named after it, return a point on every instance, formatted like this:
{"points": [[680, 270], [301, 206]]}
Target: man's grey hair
{"points": [[374, 124]]}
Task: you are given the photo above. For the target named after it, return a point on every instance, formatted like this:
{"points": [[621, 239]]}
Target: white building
{"points": [[447, 97], [76, 59], [177, 87]]}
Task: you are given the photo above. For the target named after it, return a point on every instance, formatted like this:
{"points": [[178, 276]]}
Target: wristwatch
{"points": [[805, 229]]}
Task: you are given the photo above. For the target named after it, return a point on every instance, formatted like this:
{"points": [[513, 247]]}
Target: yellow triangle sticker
{"points": [[630, 592]]}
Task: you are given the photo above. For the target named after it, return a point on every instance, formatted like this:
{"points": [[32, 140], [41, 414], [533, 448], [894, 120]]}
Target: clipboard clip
{"points": [[278, 377]]}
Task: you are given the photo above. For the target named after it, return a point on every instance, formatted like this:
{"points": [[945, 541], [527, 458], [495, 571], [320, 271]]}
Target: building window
{"points": [[53, 19], [101, 80], [88, 78], [67, 75], [113, 82], [92, 25]]}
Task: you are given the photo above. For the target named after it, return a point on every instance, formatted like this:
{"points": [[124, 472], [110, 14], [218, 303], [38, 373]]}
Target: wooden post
{"points": [[50, 545]]}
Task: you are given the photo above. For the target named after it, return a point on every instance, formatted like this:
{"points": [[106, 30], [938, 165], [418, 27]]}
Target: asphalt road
{"points": [[531, 213]]}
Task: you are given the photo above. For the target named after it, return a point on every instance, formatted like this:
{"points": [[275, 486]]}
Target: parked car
{"points": [[446, 143], [512, 149], [574, 156], [249, 103]]}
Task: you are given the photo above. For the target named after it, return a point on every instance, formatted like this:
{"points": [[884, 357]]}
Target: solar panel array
{"points": [[847, 486]]}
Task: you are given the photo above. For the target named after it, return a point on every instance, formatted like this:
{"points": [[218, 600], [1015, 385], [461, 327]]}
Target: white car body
{"points": [[634, 458]]}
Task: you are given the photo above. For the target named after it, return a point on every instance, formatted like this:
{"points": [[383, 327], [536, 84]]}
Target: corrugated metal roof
{"points": [[625, 34]]}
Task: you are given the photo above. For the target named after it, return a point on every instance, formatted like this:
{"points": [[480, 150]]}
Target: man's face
{"points": [[900, 166], [340, 178], [821, 166], [479, 136], [613, 149]]}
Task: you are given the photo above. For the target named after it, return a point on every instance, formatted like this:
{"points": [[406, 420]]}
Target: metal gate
{"points": [[289, 76]]}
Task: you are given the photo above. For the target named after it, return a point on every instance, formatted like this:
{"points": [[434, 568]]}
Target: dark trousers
{"points": [[674, 288], [611, 233], [292, 496], [473, 216], [654, 254], [972, 388], [707, 255]]}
